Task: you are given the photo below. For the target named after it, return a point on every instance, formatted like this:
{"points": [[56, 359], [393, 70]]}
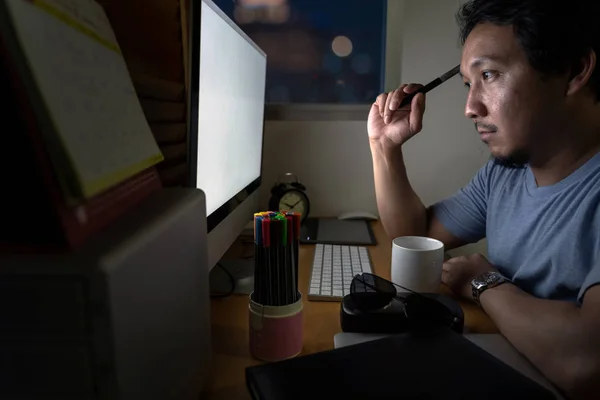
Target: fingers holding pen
{"points": [[393, 101], [380, 102], [391, 104]]}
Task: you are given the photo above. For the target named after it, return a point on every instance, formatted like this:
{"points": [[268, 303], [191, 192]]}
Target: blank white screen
{"points": [[231, 107]]}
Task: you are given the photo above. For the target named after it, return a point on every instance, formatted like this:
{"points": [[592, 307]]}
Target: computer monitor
{"points": [[226, 111]]}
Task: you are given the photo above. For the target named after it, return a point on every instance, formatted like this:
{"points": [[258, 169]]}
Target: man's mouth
{"points": [[485, 130], [485, 134]]}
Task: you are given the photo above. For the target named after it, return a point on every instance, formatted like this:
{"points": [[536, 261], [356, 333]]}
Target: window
{"points": [[318, 51]]}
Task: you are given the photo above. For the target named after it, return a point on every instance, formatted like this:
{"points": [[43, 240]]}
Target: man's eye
{"points": [[487, 75], [467, 85]]}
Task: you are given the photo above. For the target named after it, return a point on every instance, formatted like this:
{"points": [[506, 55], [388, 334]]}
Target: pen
{"points": [[281, 261], [297, 222], [289, 261], [258, 259], [275, 248], [266, 231], [431, 85]]}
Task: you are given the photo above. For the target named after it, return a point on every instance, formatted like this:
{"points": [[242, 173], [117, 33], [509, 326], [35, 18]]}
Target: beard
{"points": [[517, 160]]}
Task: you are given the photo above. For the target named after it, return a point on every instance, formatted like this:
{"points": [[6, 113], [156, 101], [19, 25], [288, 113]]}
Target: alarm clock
{"points": [[290, 196]]}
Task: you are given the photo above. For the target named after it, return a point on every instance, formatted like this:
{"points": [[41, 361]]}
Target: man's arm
{"points": [[400, 208], [560, 338], [389, 127]]}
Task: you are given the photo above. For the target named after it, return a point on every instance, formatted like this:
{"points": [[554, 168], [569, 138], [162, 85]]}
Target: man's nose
{"points": [[475, 107]]}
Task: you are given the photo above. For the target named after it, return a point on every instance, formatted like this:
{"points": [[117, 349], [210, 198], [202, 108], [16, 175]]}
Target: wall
{"points": [[332, 158]]}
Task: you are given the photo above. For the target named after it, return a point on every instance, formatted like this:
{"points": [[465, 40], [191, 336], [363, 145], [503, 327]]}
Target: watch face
{"points": [[480, 280], [491, 278], [293, 201], [486, 279]]}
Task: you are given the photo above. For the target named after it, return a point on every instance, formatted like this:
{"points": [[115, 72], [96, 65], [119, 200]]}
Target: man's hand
{"points": [[390, 126], [457, 273]]}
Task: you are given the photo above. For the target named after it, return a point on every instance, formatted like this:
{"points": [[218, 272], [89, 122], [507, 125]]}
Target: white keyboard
{"points": [[333, 268]]}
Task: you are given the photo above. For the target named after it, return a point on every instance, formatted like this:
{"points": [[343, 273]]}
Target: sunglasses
{"points": [[370, 293]]}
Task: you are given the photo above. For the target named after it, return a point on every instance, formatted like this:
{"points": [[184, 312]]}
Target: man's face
{"points": [[515, 109]]}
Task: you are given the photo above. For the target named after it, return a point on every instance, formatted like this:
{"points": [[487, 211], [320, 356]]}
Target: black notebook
{"points": [[440, 365]]}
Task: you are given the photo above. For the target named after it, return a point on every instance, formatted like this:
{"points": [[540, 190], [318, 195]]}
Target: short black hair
{"points": [[555, 35]]}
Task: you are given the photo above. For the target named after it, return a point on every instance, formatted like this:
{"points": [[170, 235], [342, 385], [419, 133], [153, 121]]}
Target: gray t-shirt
{"points": [[545, 239]]}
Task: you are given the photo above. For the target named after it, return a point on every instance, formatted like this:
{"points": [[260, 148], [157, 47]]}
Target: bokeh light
{"points": [[341, 46], [264, 11]]}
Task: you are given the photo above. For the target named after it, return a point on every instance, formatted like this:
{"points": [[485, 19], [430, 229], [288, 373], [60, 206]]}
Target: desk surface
{"points": [[321, 322]]}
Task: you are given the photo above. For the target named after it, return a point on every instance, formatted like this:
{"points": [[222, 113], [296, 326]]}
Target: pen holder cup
{"points": [[275, 331]]}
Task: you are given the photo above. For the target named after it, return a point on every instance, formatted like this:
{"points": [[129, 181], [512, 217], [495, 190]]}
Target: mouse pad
{"points": [[337, 231]]}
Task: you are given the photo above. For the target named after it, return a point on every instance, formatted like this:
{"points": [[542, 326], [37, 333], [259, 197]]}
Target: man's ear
{"points": [[581, 76]]}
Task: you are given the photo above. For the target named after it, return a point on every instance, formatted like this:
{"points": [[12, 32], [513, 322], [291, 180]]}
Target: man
{"points": [[530, 68]]}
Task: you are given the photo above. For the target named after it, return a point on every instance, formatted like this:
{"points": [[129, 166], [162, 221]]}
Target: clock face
{"points": [[293, 201]]}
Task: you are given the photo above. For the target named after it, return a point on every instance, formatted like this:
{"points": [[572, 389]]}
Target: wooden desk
{"points": [[321, 323]]}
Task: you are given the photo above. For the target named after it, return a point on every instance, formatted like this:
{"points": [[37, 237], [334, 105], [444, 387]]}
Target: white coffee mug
{"points": [[417, 263]]}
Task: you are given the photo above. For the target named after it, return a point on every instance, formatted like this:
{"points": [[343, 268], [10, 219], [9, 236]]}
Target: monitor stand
{"points": [[242, 271]]}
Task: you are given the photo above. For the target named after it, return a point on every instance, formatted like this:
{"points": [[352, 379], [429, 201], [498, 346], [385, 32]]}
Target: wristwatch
{"points": [[485, 281]]}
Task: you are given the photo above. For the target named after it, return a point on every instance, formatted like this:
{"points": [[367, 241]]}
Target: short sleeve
{"points": [[592, 279], [464, 214], [593, 276]]}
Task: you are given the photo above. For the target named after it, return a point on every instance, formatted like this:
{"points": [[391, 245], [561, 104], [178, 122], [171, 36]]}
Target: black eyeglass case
{"points": [[393, 318]]}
